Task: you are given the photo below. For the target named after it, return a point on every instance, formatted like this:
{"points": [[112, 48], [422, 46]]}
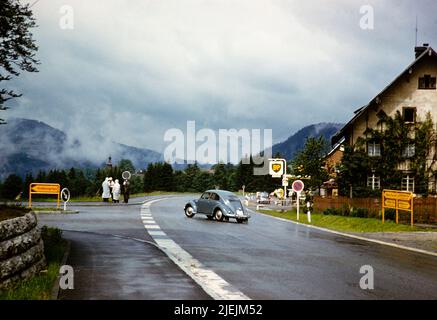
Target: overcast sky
{"points": [[131, 69]]}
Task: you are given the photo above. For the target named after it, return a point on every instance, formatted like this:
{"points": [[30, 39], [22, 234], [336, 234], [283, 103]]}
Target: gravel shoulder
{"points": [[418, 240]]}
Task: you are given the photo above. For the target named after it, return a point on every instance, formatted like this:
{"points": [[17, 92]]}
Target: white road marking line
{"points": [[151, 226], [157, 233], [149, 222], [212, 283]]}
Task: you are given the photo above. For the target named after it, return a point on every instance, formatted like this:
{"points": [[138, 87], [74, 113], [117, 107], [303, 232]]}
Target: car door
{"points": [[213, 202], [202, 204]]}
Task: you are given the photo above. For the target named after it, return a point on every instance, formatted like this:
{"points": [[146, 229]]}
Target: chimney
{"points": [[420, 50]]}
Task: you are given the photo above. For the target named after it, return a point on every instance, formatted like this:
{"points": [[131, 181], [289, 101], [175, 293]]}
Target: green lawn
{"points": [[351, 224], [40, 287]]}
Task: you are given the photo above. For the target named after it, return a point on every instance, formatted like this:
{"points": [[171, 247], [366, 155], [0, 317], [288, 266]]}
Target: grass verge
{"points": [[99, 199], [12, 211], [350, 224], [40, 286]]}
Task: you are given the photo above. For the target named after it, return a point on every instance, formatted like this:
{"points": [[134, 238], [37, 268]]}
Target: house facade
{"points": [[413, 95]]}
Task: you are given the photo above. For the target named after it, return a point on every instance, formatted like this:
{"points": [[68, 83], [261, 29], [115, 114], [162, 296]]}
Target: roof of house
{"points": [[359, 112], [335, 148]]}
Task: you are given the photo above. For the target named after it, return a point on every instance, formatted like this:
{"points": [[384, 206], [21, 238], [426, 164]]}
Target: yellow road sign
{"points": [[44, 188], [404, 205], [398, 200], [390, 204]]}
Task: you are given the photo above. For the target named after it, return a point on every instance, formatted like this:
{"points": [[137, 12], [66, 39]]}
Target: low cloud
{"points": [[130, 70]]}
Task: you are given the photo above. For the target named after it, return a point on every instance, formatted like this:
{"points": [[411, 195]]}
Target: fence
{"points": [[425, 209]]}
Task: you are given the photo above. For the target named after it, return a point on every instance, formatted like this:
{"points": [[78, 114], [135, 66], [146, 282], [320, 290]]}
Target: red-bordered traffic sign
{"points": [[298, 186]]}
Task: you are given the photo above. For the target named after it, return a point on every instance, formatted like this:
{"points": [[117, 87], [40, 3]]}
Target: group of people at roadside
{"points": [[112, 190]]}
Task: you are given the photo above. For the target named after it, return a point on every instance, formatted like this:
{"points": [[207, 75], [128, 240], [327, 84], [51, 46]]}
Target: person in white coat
{"points": [[116, 190], [106, 192], [111, 185]]}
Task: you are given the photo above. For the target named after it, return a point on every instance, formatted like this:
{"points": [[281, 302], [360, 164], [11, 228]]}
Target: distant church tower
{"points": [[109, 163]]}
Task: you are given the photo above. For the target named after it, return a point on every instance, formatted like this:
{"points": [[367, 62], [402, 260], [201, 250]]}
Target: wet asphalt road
{"points": [[112, 259], [272, 259], [264, 259]]}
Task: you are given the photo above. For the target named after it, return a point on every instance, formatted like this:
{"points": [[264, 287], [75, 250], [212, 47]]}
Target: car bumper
{"points": [[237, 216]]}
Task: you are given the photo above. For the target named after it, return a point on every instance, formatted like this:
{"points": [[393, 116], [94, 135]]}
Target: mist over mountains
{"points": [[296, 142], [30, 145]]}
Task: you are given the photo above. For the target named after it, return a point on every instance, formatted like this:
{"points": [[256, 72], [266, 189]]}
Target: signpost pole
{"points": [[297, 204], [382, 202], [309, 211], [412, 203], [284, 176], [30, 195]]}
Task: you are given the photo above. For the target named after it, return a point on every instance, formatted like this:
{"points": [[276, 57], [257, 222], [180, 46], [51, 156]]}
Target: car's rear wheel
{"points": [[189, 212], [218, 215]]}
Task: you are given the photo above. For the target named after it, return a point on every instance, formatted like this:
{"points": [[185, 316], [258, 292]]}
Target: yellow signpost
{"points": [[398, 200], [44, 188]]}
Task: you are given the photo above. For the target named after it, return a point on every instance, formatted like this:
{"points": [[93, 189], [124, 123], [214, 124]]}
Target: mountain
{"points": [[296, 142], [30, 145]]}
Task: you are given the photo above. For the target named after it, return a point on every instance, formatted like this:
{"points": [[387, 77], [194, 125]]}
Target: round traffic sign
{"points": [[126, 175], [297, 186], [65, 195]]}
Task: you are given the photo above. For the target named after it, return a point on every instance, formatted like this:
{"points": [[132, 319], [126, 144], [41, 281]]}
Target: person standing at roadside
{"points": [[111, 186], [126, 190], [106, 192], [116, 192]]}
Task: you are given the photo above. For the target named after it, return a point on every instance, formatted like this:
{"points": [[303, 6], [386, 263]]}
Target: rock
{"points": [[17, 226]]}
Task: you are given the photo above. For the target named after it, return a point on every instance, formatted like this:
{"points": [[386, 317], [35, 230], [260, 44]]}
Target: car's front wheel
{"points": [[218, 215], [189, 212]]}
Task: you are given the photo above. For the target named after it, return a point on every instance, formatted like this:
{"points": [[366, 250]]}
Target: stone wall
{"points": [[21, 249]]}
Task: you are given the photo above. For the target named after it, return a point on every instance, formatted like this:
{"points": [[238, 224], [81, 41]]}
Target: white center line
{"points": [[212, 283]]}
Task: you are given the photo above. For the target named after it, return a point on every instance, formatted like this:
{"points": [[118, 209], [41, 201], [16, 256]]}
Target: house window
{"points": [[407, 183], [373, 182], [427, 82], [409, 151], [409, 114], [373, 149]]}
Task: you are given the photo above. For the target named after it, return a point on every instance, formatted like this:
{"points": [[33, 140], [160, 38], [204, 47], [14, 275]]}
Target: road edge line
{"points": [[351, 235]]}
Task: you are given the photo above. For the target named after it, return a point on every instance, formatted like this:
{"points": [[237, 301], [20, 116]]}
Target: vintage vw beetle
{"points": [[219, 205]]}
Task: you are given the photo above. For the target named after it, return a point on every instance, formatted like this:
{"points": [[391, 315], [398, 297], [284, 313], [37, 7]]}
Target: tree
{"points": [[309, 161], [27, 181], [12, 187], [17, 46], [126, 165]]}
